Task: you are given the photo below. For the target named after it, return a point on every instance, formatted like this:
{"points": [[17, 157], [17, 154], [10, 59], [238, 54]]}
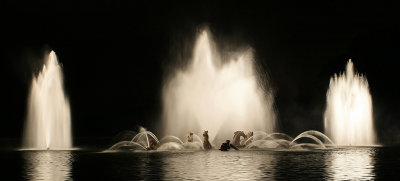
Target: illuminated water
{"points": [[348, 163], [48, 124], [215, 95], [146, 140], [348, 115]]}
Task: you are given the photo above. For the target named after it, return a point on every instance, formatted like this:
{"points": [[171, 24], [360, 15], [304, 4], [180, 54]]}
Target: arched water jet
{"points": [[262, 140], [321, 136], [258, 135], [171, 146], [269, 144], [171, 139], [248, 140], [126, 145], [146, 140], [277, 135], [197, 138], [319, 142], [145, 133], [262, 144], [139, 135]]}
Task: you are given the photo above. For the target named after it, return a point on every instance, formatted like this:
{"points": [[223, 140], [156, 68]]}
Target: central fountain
{"points": [[216, 95], [348, 115], [48, 124], [219, 97]]}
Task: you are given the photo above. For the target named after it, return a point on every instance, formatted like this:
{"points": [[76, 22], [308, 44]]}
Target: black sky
{"points": [[116, 53]]}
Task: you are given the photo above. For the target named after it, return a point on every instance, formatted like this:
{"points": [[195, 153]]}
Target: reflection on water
{"points": [[47, 165], [351, 163], [337, 164], [355, 164], [217, 165]]}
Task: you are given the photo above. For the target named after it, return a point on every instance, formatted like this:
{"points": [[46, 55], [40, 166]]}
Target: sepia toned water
{"points": [[48, 124], [359, 163], [348, 115], [218, 91]]}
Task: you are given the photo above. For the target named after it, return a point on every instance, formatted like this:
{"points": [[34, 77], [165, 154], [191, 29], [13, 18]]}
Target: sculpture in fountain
{"points": [[236, 141], [206, 143], [190, 137]]}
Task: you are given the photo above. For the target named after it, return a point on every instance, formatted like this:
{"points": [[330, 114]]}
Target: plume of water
{"points": [[348, 115], [48, 124], [215, 96]]}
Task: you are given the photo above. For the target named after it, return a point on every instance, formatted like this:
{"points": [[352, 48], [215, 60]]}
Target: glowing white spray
{"points": [[348, 115], [48, 124], [220, 99]]}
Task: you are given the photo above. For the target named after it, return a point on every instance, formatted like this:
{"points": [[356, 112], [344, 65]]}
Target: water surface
{"points": [[361, 163]]}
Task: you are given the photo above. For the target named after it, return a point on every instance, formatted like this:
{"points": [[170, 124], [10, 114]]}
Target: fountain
{"points": [[216, 95], [219, 97], [48, 124], [348, 115], [310, 139], [146, 140]]}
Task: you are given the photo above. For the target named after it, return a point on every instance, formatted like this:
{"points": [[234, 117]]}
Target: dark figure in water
{"points": [[227, 145], [206, 143]]}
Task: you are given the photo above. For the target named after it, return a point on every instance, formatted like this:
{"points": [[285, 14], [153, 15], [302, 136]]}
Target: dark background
{"points": [[116, 53]]}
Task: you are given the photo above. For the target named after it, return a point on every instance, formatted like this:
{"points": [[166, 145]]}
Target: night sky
{"points": [[116, 54]]}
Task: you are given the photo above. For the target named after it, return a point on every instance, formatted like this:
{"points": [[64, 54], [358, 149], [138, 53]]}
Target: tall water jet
{"points": [[221, 97], [348, 115], [48, 124]]}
